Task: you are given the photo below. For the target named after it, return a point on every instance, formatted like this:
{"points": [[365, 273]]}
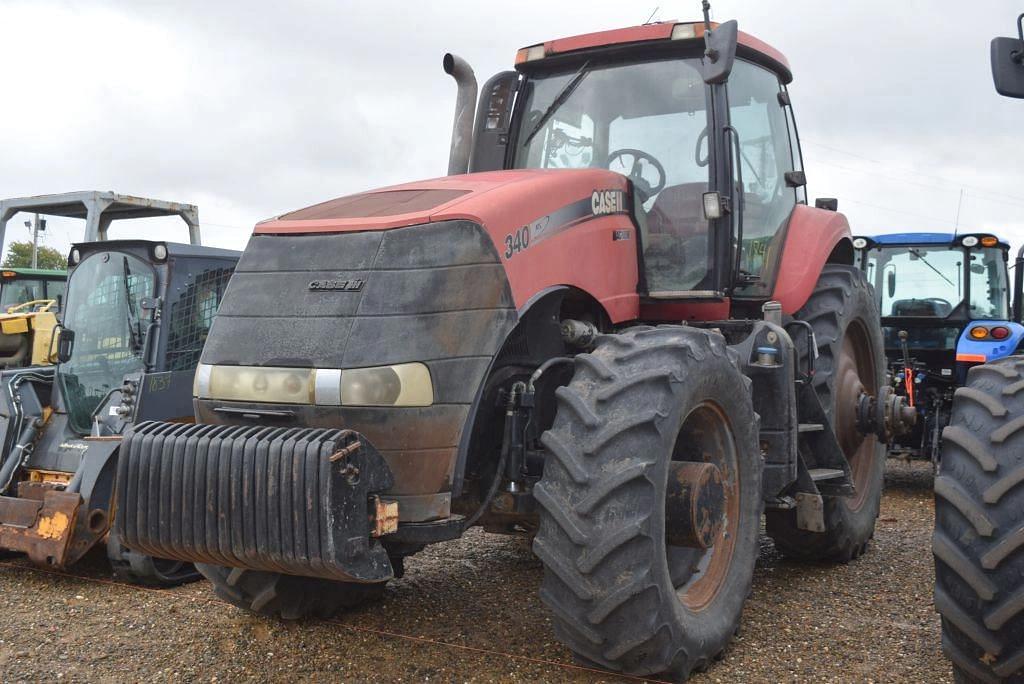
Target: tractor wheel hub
{"points": [[695, 504]]}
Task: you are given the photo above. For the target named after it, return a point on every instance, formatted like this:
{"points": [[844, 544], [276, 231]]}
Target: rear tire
{"points": [[622, 598], [845, 319], [138, 568], [979, 526], [288, 597]]}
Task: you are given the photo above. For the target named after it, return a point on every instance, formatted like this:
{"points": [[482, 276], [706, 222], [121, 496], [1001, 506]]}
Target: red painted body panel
{"points": [[667, 311], [584, 256], [648, 32], [810, 239]]}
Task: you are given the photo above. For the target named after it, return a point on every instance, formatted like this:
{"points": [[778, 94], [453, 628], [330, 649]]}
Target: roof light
{"points": [[859, 243], [970, 241], [989, 241], [529, 54], [160, 252], [684, 31], [999, 332], [712, 206], [9, 274], [979, 332], [75, 256]]}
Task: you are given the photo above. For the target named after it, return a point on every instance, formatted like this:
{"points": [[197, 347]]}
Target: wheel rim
{"points": [[698, 575], [169, 570], [855, 373]]}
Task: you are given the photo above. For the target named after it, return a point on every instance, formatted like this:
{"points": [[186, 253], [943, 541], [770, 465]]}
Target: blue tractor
{"points": [[945, 306]]}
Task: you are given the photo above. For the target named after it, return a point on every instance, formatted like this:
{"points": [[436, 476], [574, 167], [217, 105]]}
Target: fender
{"points": [[970, 350], [812, 239]]}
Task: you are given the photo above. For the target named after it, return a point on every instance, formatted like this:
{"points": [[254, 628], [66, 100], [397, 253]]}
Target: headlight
{"points": [[860, 243], [406, 384], [255, 383]]}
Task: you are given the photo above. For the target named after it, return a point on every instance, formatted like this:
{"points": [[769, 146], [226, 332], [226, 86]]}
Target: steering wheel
{"points": [[636, 171], [701, 139]]}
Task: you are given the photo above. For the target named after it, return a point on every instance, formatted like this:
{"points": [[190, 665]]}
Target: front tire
{"points": [[621, 597], [845, 320], [288, 597], [138, 568], [979, 526]]}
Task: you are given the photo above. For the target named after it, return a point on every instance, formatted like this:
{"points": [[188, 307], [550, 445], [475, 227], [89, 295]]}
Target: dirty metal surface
{"points": [[40, 529]]}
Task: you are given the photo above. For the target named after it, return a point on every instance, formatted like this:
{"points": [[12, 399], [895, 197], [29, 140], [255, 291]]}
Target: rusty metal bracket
{"points": [[385, 516], [41, 529]]}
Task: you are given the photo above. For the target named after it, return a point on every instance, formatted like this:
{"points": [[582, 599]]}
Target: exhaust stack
{"points": [[465, 107]]}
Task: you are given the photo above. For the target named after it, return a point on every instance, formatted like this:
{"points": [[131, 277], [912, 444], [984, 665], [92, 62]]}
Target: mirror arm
{"points": [[1018, 284]]}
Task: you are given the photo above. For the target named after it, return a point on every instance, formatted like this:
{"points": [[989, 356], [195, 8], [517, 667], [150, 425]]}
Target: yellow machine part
{"points": [[37, 324]]}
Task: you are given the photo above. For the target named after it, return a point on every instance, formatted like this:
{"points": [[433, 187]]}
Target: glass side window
{"points": [[647, 121], [104, 310], [19, 291], [765, 157], [990, 291], [55, 289], [919, 281]]}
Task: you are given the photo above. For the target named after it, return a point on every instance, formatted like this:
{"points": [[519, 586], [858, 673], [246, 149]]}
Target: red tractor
{"points": [[623, 333]]}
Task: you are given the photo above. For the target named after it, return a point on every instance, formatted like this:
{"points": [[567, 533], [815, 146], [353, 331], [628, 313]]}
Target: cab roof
{"points": [[927, 238], [35, 272], [748, 45]]}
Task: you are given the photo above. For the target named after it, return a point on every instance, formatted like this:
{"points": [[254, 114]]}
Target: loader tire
{"points": [[138, 568], [621, 597], [288, 597], [845, 320], [979, 526]]}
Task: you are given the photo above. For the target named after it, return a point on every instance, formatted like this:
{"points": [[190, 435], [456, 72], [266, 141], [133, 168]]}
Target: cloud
{"points": [[249, 109]]}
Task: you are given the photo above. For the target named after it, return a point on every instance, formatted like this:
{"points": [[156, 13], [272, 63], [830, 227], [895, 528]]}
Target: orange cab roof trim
{"points": [[659, 31]]}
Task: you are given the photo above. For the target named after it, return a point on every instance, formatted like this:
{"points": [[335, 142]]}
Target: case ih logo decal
{"points": [[336, 285], [607, 202], [600, 203]]}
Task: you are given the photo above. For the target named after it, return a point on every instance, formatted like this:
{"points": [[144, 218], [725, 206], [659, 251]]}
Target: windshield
{"points": [[927, 281], [21, 290], [646, 120], [104, 305]]}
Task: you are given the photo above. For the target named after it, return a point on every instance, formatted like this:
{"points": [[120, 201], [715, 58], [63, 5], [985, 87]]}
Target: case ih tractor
{"points": [[945, 305], [979, 488], [134, 322], [623, 333]]}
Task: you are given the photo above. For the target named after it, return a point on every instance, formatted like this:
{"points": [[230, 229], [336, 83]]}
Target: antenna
{"points": [[652, 15], [709, 52]]}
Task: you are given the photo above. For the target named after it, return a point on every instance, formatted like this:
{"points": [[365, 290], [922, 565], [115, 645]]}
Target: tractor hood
{"points": [[497, 200]]}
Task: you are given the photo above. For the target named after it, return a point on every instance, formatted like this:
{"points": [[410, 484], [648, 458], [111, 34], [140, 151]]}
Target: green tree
{"points": [[19, 255]]}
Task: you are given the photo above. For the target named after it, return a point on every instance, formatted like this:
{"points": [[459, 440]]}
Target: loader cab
{"points": [[713, 158], [943, 290], [135, 307], [22, 285]]}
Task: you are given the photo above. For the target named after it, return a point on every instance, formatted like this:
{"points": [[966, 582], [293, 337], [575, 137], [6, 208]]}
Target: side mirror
{"points": [[493, 118], [827, 203], [65, 345], [1008, 64], [720, 52], [890, 283], [795, 179]]}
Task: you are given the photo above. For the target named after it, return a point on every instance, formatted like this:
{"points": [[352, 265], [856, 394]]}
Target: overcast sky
{"points": [[252, 108]]}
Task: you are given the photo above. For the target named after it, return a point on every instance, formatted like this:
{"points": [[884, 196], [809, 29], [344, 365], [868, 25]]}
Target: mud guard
{"points": [[299, 501]]}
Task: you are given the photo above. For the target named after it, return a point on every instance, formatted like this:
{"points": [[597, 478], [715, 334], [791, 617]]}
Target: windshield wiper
{"points": [[134, 327], [928, 264], [559, 100]]}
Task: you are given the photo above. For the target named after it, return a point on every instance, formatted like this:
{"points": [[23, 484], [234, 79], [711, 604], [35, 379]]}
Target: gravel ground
{"points": [[871, 620]]}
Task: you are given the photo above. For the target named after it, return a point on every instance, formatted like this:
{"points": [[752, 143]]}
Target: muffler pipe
{"points": [[465, 108]]}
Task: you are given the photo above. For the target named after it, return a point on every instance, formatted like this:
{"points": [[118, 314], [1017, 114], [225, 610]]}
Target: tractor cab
{"points": [[35, 286], [709, 145], [944, 301]]}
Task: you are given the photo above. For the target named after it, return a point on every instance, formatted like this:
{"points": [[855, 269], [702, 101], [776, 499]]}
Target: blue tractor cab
{"points": [[945, 305]]}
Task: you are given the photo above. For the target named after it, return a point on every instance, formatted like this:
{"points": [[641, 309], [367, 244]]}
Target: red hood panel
{"points": [[492, 199]]}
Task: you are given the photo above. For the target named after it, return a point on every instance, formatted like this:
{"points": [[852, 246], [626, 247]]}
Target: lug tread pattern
{"points": [[596, 546], [841, 295], [979, 533]]}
